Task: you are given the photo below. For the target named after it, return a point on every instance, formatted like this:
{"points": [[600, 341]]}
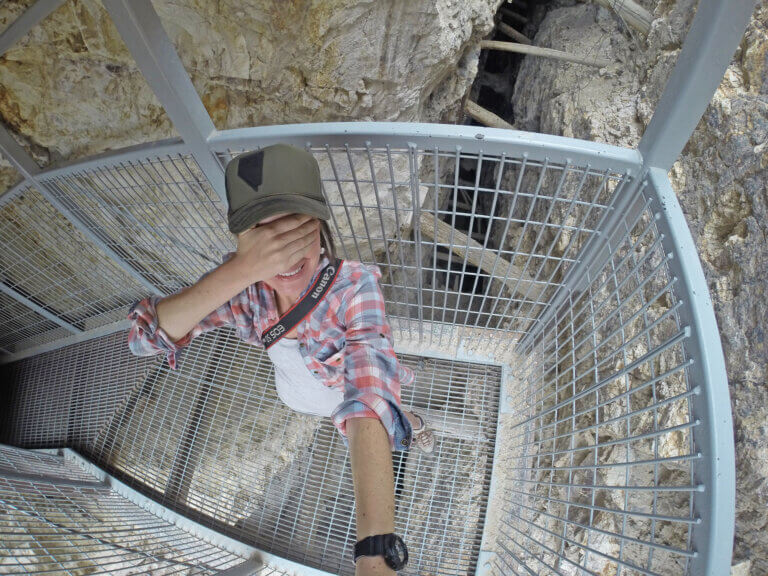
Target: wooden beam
{"points": [[544, 52], [486, 117], [631, 13], [445, 424], [507, 30], [512, 15], [473, 251]]}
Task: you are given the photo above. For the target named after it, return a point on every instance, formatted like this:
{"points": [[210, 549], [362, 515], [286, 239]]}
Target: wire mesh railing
{"points": [[48, 264], [19, 461], [63, 515], [471, 239], [22, 327], [468, 237], [158, 212], [601, 444], [556, 264], [65, 397], [566, 262]]}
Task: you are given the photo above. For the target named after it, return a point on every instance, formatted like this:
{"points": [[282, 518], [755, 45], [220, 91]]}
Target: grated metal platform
{"points": [[57, 519], [214, 441]]}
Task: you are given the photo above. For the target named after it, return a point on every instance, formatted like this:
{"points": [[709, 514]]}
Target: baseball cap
{"points": [[275, 179]]}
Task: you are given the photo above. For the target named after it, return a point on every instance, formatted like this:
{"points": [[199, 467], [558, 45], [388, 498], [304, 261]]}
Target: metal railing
{"points": [[62, 515], [565, 266], [476, 240]]}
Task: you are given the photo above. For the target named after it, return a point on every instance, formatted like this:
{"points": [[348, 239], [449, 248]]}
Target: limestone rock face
{"points": [[573, 100], [277, 63], [70, 88], [721, 183], [720, 180]]}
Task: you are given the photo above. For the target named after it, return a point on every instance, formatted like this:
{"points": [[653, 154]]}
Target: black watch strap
{"points": [[390, 546], [370, 546]]}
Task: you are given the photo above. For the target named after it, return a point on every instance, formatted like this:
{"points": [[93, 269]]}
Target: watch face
{"points": [[395, 552]]}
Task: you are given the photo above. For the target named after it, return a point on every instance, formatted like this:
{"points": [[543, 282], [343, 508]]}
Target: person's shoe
{"points": [[423, 438]]}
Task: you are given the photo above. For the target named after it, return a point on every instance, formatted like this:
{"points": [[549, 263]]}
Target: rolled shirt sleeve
{"points": [[147, 338], [371, 368]]}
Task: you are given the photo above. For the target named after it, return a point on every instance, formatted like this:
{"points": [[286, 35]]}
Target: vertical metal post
{"points": [[713, 38], [413, 165], [156, 57], [713, 538], [29, 169]]}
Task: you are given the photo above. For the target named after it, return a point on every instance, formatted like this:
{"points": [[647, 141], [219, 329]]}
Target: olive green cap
{"points": [[275, 179]]}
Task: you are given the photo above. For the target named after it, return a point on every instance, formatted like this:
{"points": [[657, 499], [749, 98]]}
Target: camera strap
{"points": [[303, 307]]}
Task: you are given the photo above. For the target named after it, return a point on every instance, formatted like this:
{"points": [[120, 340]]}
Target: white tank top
{"points": [[296, 386]]}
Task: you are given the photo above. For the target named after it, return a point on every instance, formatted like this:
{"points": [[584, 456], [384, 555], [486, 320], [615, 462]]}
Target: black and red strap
{"points": [[305, 306]]}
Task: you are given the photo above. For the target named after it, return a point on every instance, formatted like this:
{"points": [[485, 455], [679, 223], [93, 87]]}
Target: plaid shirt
{"points": [[346, 342]]}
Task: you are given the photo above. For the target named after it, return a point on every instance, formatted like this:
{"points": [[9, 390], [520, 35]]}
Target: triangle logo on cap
{"points": [[251, 169]]}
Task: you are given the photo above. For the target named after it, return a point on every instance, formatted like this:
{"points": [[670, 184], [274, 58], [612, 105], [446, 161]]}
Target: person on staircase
{"points": [[322, 321]]}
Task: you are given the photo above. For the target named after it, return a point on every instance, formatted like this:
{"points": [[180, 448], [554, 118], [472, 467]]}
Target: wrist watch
{"points": [[390, 546]]}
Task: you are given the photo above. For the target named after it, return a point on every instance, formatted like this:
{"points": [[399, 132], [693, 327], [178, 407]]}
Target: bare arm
{"points": [[179, 313], [372, 475], [261, 253]]}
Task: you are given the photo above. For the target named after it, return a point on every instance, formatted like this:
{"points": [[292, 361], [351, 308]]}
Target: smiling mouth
{"points": [[292, 273]]}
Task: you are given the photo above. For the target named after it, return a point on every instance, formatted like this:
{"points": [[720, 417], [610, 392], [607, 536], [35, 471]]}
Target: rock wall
{"points": [[70, 88], [279, 63], [720, 180]]}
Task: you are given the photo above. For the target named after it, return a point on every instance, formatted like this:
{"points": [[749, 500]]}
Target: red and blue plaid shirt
{"points": [[346, 342]]}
